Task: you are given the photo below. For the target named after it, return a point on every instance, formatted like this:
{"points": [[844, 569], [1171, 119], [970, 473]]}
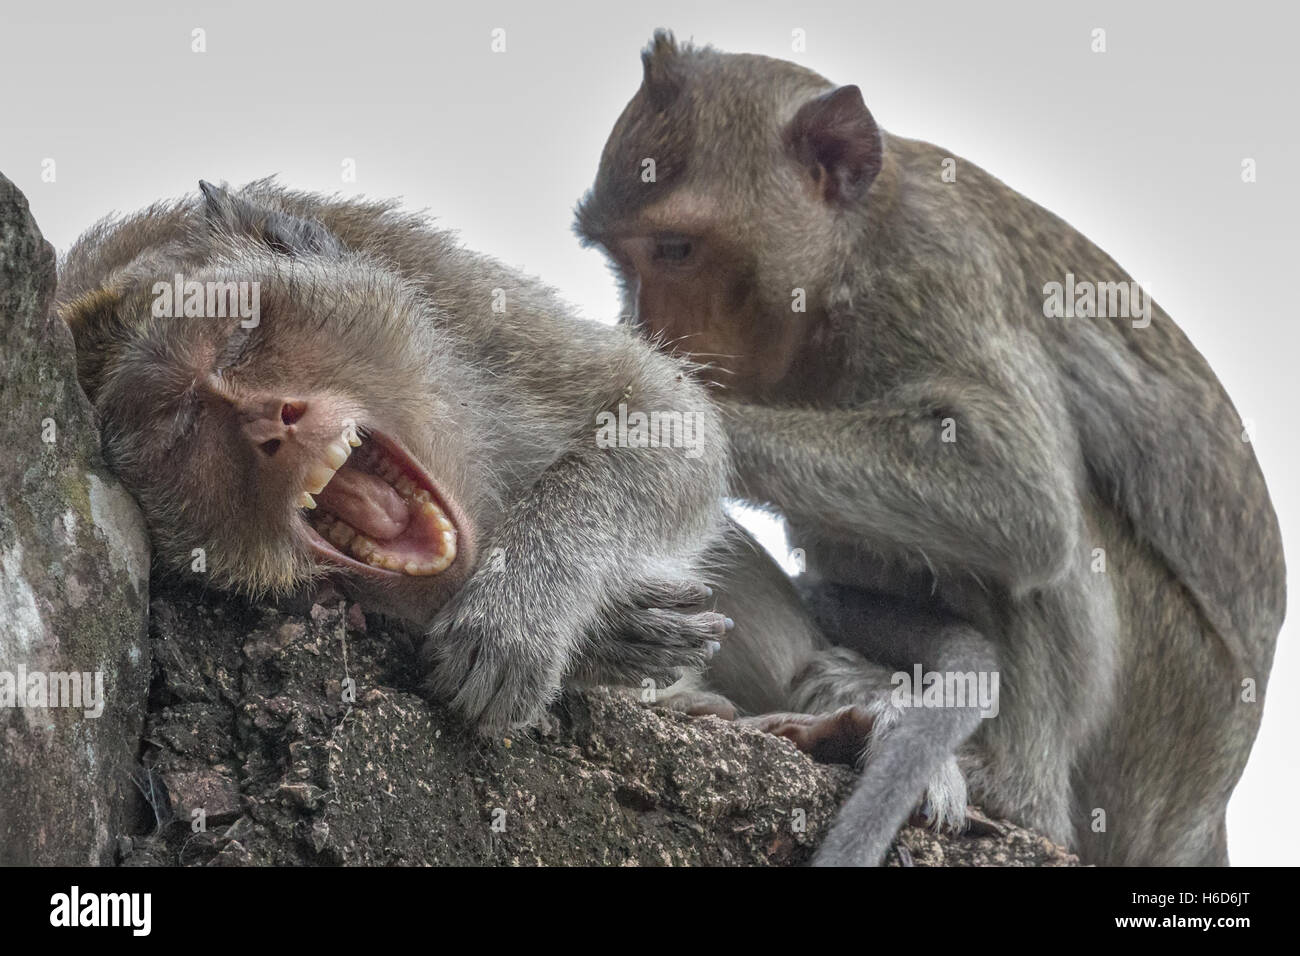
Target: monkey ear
{"points": [[662, 80], [98, 327], [285, 233], [836, 137]]}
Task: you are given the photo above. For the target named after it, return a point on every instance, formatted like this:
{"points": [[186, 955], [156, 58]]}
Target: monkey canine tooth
{"points": [[317, 478]]}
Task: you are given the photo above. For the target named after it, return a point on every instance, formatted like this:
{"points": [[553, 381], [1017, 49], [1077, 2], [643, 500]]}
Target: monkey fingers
{"points": [[657, 643], [666, 594], [838, 737]]}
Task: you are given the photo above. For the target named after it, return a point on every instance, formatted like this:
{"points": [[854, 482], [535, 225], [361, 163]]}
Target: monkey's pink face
{"points": [[270, 456]]}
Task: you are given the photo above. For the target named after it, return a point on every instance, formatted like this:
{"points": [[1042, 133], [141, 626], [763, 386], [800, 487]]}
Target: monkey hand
{"points": [[499, 668], [658, 633]]}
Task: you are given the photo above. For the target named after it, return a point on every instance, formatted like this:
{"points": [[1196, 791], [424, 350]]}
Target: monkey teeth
{"points": [[348, 540], [320, 474], [354, 543], [336, 455]]}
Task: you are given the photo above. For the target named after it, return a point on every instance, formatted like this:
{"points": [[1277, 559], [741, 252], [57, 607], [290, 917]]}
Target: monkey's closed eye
{"points": [[672, 250]]}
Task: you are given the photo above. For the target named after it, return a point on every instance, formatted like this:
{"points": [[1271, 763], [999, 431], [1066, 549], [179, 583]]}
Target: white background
{"points": [[1139, 147]]}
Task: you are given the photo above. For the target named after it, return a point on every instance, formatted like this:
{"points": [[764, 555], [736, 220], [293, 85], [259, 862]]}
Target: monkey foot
{"points": [[977, 824], [837, 737], [697, 703]]}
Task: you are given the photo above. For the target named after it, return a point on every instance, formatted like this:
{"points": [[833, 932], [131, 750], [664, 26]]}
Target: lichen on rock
{"points": [[74, 566]]}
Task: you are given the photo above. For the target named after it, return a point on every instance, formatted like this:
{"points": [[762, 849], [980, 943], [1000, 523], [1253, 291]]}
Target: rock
{"points": [[74, 568], [338, 762]]}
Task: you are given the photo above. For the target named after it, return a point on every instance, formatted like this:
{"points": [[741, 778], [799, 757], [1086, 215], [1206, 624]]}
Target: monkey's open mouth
{"points": [[378, 510]]}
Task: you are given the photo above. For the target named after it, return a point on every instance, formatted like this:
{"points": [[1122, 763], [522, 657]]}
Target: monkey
{"points": [[375, 420], [899, 380], [295, 387]]}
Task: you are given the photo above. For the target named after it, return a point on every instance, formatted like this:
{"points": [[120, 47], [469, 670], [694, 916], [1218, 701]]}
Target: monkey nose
{"points": [[267, 423]]}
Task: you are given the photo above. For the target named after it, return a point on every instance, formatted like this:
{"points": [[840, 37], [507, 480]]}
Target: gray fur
{"points": [[1120, 690], [372, 309]]}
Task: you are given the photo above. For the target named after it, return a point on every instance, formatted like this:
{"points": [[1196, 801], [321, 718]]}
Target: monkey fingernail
{"points": [[728, 624], [713, 647]]}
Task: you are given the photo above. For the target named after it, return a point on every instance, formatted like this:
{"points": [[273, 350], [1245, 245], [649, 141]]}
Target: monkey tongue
{"points": [[367, 502]]}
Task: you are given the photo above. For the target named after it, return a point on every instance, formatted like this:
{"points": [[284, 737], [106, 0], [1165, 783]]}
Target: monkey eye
{"points": [[672, 250]]}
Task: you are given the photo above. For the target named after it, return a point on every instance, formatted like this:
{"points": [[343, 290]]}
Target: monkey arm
{"points": [[959, 473], [599, 521]]}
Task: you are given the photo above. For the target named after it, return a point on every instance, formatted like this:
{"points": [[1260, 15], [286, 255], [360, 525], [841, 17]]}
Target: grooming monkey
{"points": [[379, 420], [1080, 490]]}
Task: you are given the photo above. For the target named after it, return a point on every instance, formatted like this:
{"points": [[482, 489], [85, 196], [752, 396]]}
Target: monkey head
{"points": [[282, 407], [726, 199]]}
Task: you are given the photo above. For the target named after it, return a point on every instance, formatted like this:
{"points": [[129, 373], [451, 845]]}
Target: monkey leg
{"points": [[773, 637], [844, 710], [832, 702], [901, 764], [911, 748]]}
